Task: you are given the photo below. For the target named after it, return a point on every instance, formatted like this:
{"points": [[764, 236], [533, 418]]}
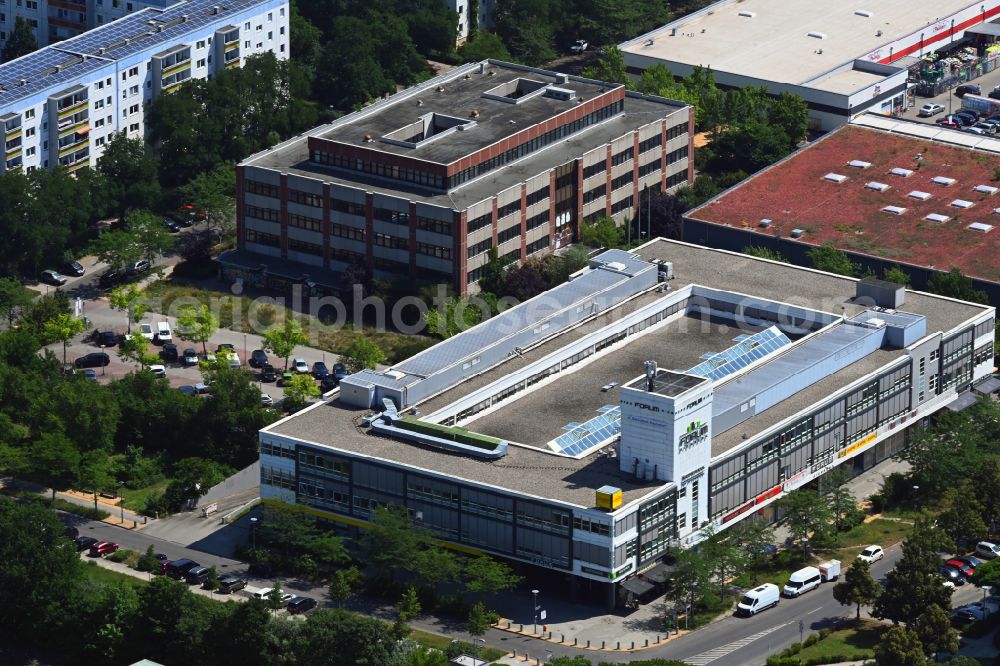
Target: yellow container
{"points": [[609, 498]]}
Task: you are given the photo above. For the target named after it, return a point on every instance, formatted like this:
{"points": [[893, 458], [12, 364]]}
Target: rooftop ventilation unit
{"points": [[997, 211], [863, 12], [986, 189], [796, 233], [877, 186], [650, 368], [765, 223], [746, 14], [943, 180], [834, 177], [859, 164], [899, 171], [962, 203], [981, 227], [935, 217], [564, 94], [817, 35], [894, 210], [917, 194]]}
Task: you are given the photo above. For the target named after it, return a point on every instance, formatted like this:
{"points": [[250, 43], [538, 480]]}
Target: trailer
{"points": [[984, 106], [829, 570]]}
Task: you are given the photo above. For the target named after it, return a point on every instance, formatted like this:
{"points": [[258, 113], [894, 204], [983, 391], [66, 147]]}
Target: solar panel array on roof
{"points": [[584, 437], [750, 348]]}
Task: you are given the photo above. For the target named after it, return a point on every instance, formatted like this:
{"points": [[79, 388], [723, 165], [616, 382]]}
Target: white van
{"points": [[802, 581], [163, 332], [987, 550], [758, 599]]}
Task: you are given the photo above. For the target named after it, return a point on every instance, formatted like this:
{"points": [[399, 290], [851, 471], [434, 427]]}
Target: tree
{"points": [[480, 620], [282, 340], [63, 328], [665, 212], [148, 561], [129, 299], [843, 505], [484, 46], [214, 193], [900, 647], [128, 175], [337, 637], [344, 584], [95, 473], [610, 68], [456, 316], [830, 259], [197, 324], [789, 112], [55, 461], [299, 391], [935, 632], [941, 456], [21, 40], [603, 232], [273, 598], [135, 349], [897, 275], [955, 285], [764, 253], [914, 584], [390, 541], [692, 577], [755, 536], [362, 354], [193, 477], [804, 514], [485, 575], [703, 189], [13, 298], [858, 587], [149, 234], [962, 519], [987, 573], [117, 248], [407, 608], [493, 271], [723, 556], [524, 282]]}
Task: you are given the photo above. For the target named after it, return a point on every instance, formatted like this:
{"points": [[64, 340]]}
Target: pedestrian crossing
{"points": [[721, 651]]}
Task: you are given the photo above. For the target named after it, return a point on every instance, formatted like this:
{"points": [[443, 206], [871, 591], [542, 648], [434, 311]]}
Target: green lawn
{"points": [[880, 532], [136, 499], [102, 575], [851, 644], [440, 642]]}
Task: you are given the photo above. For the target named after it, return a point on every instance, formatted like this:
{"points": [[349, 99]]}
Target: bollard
{"points": [[647, 643], [633, 644], [588, 642], [618, 645], [574, 641], [515, 653], [602, 645], [520, 627], [657, 638], [562, 638], [550, 635]]}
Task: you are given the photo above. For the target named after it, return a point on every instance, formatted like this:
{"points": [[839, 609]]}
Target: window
{"points": [[537, 220], [200, 44], [307, 248], [99, 104], [268, 214], [650, 143], [622, 180], [480, 247], [263, 189], [677, 130], [262, 238], [29, 114], [348, 207], [303, 222], [437, 226], [434, 250], [677, 155], [478, 223], [305, 198], [246, 26], [508, 234], [538, 195], [538, 245], [508, 209], [596, 193], [394, 242], [344, 231], [201, 62], [30, 132], [591, 525], [622, 157], [392, 216]]}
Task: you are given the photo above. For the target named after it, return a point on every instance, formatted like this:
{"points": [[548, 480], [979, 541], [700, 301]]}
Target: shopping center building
{"points": [[843, 59], [590, 429], [423, 185]]}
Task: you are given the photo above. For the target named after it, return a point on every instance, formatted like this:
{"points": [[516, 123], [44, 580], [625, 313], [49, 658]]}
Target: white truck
{"points": [[829, 570]]}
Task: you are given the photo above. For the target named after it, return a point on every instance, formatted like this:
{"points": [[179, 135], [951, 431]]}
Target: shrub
{"points": [[878, 503], [148, 561], [811, 639], [824, 632]]}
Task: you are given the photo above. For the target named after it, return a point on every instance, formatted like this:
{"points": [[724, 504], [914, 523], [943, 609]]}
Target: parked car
{"points": [[53, 278], [803, 580], [225, 346], [579, 46], [105, 338], [89, 374], [300, 366], [266, 400], [268, 373], [966, 570], [952, 574], [975, 130], [171, 225], [169, 353], [987, 550], [110, 278], [229, 584], [158, 370], [968, 89], [968, 113], [758, 599], [928, 110], [179, 568], [340, 371], [93, 360], [74, 268], [985, 127], [187, 389], [103, 548], [328, 383], [285, 378], [301, 604], [146, 331], [964, 119], [319, 370], [261, 569], [948, 122], [163, 333], [258, 358], [264, 592], [70, 532], [84, 542], [871, 554], [970, 613], [968, 560], [190, 357], [234, 361], [197, 575], [138, 268]]}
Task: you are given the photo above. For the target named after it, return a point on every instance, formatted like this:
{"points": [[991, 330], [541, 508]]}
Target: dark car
{"points": [[197, 575], [110, 278], [950, 573], [53, 278], [227, 346], [268, 373], [968, 89], [71, 532], [261, 569], [72, 268], [190, 357], [169, 352], [90, 374], [328, 383], [171, 225], [187, 389], [301, 604], [258, 358], [970, 115], [339, 371], [319, 370], [105, 338], [179, 568], [84, 542], [228, 584], [93, 360]]}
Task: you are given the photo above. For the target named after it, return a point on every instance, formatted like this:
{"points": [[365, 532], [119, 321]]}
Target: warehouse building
{"points": [[425, 183], [588, 430], [61, 104], [843, 59]]}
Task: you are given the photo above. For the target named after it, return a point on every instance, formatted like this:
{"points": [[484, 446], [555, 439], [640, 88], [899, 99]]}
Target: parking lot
{"points": [[949, 100]]}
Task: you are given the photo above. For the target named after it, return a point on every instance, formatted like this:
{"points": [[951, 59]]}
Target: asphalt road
{"points": [[987, 82]]}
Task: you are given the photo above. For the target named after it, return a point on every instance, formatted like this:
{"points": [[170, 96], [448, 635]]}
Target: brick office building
{"points": [[423, 184]]}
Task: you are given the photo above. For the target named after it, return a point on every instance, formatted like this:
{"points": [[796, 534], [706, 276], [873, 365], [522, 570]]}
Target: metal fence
{"points": [[965, 73]]}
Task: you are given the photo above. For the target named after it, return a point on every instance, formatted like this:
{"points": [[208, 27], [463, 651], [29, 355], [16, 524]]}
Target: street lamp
{"points": [[534, 611], [121, 500], [986, 590], [103, 364], [253, 532]]}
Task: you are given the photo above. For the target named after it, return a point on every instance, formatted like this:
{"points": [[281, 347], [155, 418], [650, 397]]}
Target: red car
{"points": [[964, 567], [103, 548]]}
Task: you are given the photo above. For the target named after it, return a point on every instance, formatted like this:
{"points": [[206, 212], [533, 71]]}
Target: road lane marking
{"points": [[814, 610], [722, 651]]}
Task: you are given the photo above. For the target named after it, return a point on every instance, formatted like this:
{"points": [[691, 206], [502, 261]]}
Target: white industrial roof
{"points": [[774, 44], [926, 131]]}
